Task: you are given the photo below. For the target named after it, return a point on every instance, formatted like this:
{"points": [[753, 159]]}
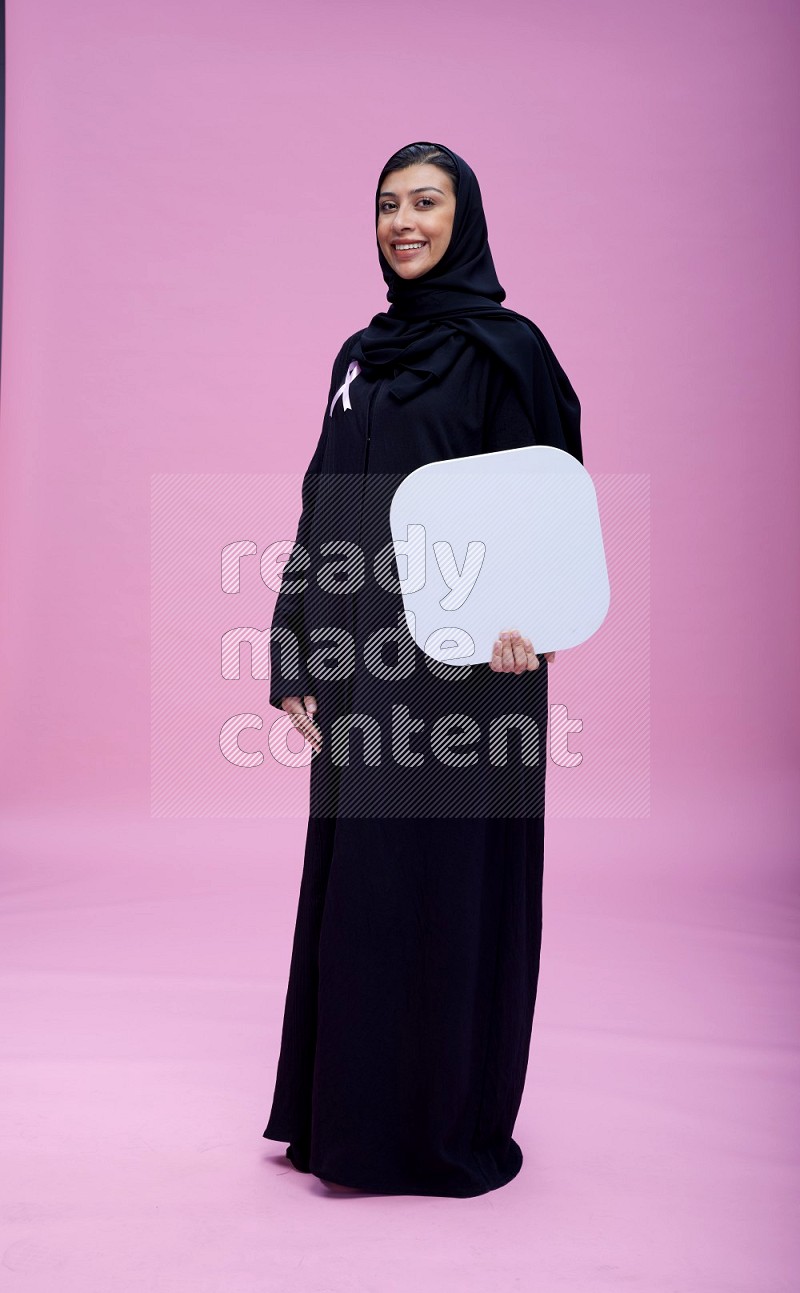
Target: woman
{"points": [[415, 960]]}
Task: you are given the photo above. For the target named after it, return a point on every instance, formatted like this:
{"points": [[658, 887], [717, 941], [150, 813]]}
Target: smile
{"points": [[407, 246]]}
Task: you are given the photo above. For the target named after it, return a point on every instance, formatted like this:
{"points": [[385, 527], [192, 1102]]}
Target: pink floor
{"points": [[145, 963]]}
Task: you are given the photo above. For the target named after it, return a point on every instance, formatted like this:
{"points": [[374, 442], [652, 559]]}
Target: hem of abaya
{"points": [[485, 1181]]}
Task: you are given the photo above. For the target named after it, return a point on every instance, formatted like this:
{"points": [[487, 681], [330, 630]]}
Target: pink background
{"points": [[188, 241]]}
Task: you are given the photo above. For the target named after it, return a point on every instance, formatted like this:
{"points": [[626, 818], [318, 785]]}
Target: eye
{"points": [[386, 205]]}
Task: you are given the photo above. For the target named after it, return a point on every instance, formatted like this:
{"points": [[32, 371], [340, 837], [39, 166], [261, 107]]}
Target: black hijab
{"points": [[432, 319]]}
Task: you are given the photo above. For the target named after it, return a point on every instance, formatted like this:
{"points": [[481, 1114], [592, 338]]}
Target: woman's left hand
{"points": [[514, 654]]}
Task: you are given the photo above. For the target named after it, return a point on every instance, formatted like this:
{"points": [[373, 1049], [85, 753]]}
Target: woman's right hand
{"points": [[302, 716]]}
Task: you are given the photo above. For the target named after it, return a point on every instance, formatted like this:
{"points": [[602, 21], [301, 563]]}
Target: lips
{"points": [[408, 248]]}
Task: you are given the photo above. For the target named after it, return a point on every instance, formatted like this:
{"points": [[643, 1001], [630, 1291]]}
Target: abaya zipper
{"points": [[365, 469]]}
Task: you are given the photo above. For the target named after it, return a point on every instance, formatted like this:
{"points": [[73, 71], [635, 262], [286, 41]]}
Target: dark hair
{"points": [[414, 155]]}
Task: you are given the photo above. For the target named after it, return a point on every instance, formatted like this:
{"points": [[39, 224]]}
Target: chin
{"points": [[406, 271]]}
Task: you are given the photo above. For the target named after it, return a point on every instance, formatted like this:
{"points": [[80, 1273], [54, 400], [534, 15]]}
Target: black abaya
{"points": [[416, 953], [415, 961]]}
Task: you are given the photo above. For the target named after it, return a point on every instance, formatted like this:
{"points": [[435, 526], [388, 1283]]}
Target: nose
{"points": [[402, 221]]}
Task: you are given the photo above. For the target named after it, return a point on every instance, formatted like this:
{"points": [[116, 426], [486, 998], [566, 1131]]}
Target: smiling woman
{"points": [[415, 218], [415, 961]]}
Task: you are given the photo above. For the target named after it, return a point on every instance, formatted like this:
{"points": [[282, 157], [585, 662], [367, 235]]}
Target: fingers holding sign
{"points": [[514, 653]]}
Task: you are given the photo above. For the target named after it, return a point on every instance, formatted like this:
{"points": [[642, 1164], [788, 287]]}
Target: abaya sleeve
{"points": [[289, 643], [547, 412]]}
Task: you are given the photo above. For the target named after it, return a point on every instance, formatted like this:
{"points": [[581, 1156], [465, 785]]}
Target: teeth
{"points": [[407, 246]]}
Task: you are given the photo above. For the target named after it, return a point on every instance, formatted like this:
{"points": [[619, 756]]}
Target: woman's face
{"points": [[416, 207]]}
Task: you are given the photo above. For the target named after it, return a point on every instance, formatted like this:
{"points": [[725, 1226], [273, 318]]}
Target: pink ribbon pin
{"points": [[344, 390]]}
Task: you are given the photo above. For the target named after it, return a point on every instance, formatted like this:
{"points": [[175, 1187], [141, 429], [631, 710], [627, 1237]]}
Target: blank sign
{"points": [[495, 541]]}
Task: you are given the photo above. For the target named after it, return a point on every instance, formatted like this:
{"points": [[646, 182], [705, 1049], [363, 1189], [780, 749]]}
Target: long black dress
{"points": [[415, 961]]}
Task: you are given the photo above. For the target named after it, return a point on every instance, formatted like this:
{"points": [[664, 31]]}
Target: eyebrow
{"points": [[387, 193]]}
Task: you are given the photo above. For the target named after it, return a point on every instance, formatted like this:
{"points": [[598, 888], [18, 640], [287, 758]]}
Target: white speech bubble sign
{"points": [[500, 540]]}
